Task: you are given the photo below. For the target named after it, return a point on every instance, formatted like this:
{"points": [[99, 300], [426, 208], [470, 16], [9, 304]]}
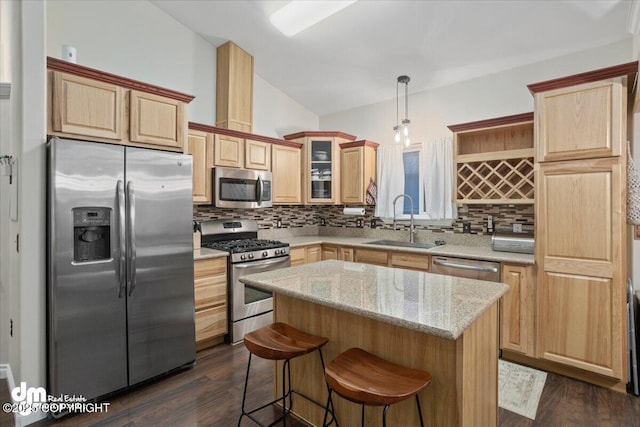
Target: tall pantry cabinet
{"points": [[580, 208]]}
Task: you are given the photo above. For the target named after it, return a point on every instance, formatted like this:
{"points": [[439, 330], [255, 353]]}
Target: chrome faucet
{"points": [[411, 225]]}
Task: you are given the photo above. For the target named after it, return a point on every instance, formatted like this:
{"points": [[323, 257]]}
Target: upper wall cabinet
{"points": [[287, 176], [321, 165], [82, 106], [84, 103], [494, 160], [157, 120], [200, 146], [234, 88], [358, 168], [229, 151], [578, 122], [212, 146]]}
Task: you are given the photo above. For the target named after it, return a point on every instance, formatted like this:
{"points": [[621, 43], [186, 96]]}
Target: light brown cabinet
{"points": [[494, 160], [337, 252], [234, 88], [368, 256], [517, 309], [257, 155], [156, 120], [321, 165], [210, 287], [581, 255], [200, 146], [96, 106], [582, 121], [85, 107], [287, 177], [358, 168], [409, 261], [580, 222], [228, 151], [305, 254]]}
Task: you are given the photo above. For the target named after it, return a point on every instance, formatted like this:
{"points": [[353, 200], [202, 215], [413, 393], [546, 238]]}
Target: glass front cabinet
{"points": [[321, 165]]}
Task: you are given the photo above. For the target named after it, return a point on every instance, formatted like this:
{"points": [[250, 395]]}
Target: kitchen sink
{"points": [[401, 244]]}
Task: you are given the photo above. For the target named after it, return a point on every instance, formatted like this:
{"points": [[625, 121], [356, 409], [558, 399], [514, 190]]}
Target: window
{"points": [[424, 172], [411, 162]]}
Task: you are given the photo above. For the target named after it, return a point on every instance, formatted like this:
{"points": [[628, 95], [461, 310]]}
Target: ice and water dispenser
{"points": [[91, 234]]}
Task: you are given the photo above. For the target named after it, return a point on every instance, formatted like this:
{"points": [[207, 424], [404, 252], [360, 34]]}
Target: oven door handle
{"points": [[262, 263]]}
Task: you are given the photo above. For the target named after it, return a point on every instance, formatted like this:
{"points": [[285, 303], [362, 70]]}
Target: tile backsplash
{"points": [[293, 216]]}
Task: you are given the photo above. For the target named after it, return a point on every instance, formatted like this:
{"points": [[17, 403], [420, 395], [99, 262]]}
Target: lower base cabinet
{"points": [[210, 286], [517, 308]]}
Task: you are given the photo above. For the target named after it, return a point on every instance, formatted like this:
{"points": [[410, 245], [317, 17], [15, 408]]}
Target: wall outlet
{"points": [[279, 223], [373, 223], [359, 222], [517, 228], [466, 227], [323, 222]]}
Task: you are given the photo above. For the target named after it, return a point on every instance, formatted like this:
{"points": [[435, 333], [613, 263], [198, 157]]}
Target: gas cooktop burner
{"points": [[244, 245]]}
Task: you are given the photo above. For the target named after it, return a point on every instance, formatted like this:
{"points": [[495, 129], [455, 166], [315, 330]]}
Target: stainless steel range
{"points": [[249, 308]]}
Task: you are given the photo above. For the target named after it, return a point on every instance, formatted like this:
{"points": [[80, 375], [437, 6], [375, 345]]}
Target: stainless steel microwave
{"points": [[241, 188]]}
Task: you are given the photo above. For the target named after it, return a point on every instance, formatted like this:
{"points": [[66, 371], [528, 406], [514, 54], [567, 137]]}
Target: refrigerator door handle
{"points": [[132, 237], [122, 240], [259, 191]]}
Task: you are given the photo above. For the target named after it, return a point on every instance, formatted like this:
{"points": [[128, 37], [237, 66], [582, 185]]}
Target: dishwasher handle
{"points": [[463, 266]]}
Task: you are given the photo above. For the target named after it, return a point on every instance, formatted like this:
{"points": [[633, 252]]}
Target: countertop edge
{"points": [[445, 250]]}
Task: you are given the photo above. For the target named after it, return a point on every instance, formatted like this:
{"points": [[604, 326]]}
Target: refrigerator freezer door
{"points": [[160, 290], [87, 342]]}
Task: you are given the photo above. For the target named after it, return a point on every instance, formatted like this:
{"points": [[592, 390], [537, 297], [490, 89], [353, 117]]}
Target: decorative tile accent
{"points": [[294, 216]]}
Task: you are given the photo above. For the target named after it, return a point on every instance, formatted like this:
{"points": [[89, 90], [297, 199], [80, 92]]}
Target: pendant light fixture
{"points": [[402, 133]]}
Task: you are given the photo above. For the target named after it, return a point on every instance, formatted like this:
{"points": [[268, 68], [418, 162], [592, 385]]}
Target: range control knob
{"points": [[242, 256], [265, 254], [277, 251], [250, 256]]}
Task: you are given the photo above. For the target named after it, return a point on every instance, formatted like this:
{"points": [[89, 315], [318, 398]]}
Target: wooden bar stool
{"points": [[366, 379], [280, 341]]}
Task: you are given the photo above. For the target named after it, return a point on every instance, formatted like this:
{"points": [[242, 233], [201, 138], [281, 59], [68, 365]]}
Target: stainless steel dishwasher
{"points": [[469, 268]]}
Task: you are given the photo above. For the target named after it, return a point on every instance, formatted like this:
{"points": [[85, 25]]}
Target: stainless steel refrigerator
{"points": [[120, 266]]}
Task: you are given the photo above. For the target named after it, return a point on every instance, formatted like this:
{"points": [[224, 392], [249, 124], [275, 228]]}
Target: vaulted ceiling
{"points": [[354, 57]]}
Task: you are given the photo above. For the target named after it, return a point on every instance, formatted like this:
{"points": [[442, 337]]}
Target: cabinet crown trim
{"points": [[330, 134], [627, 69], [102, 76], [498, 121], [244, 135], [361, 143]]}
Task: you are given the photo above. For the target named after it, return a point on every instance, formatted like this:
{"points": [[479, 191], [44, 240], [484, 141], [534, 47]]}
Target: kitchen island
{"points": [[442, 324]]}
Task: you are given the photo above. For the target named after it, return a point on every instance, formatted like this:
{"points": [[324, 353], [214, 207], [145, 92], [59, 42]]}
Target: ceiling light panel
{"points": [[298, 15]]}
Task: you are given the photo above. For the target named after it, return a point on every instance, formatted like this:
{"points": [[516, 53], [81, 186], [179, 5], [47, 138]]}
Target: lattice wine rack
{"points": [[494, 160], [496, 181]]}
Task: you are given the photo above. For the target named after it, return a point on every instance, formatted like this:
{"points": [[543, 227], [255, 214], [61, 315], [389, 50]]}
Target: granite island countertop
{"points": [[439, 305], [484, 253]]}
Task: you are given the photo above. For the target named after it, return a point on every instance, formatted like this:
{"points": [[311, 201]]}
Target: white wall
{"points": [[275, 114], [138, 40], [490, 96], [23, 37]]}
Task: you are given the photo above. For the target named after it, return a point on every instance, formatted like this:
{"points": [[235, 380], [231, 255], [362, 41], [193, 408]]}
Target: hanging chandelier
{"points": [[402, 133]]}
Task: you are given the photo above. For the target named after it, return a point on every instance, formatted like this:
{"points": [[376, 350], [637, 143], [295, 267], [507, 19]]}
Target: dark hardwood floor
{"points": [[211, 393], [6, 419]]}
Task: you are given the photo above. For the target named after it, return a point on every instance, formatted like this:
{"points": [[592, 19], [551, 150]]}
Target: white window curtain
{"points": [[436, 180], [390, 179]]}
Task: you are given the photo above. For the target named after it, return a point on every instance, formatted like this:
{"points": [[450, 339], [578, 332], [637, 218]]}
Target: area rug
{"points": [[519, 388]]}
